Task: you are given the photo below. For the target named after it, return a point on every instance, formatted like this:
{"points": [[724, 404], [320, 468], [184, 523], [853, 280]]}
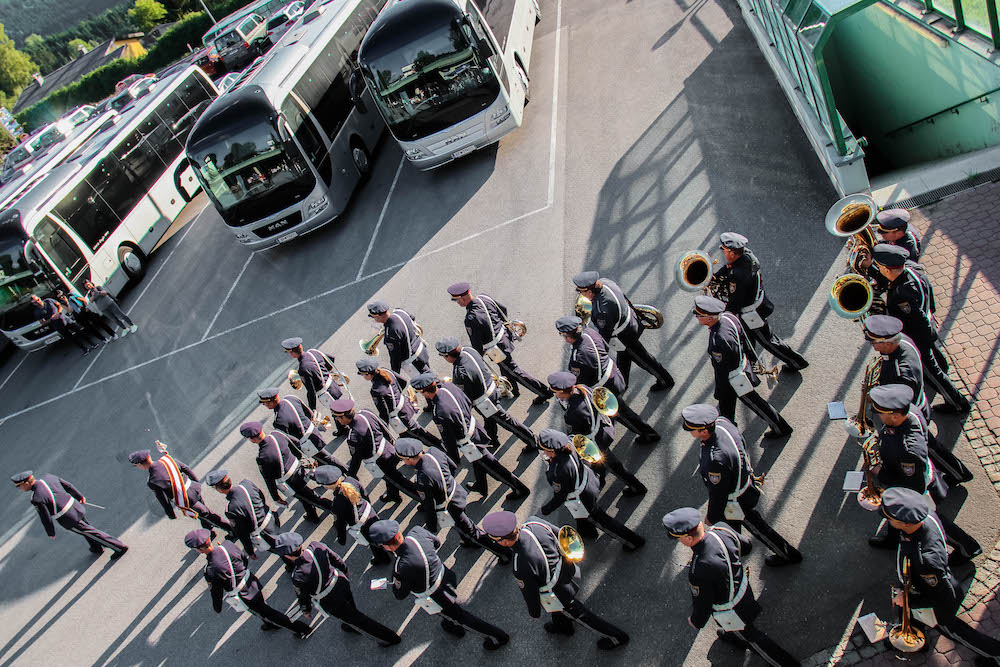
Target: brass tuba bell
{"points": [[570, 544], [851, 296], [650, 317], [852, 217], [370, 346], [587, 449], [583, 308], [516, 328], [694, 271], [605, 401], [294, 379]]}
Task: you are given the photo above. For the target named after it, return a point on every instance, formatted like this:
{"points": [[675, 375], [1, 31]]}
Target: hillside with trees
{"points": [[45, 17]]}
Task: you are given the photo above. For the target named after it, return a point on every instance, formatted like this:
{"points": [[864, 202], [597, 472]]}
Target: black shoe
{"points": [[96, 549], [269, 627], [774, 435], [949, 409], [491, 644], [541, 400], [389, 497], [882, 542], [648, 438], [774, 560], [118, 554], [395, 641], [608, 644], [629, 548], [633, 491], [474, 487], [518, 493], [452, 628], [350, 629], [957, 557], [470, 544], [312, 518], [662, 386], [304, 634], [554, 629]]}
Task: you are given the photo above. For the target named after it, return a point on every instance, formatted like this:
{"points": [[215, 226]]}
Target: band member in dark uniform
{"points": [[392, 403], [353, 510]]}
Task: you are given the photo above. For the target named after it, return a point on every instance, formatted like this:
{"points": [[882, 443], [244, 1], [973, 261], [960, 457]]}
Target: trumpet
{"points": [[583, 308], [771, 375], [570, 544], [294, 379], [411, 396], [904, 637], [604, 401], [587, 449], [370, 346], [517, 329], [322, 423], [860, 426]]}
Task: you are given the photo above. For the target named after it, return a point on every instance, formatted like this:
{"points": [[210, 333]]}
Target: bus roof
{"points": [[399, 21]]}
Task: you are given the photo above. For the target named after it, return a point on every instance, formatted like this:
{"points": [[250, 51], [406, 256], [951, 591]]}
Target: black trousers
{"points": [[453, 614], [415, 430], [766, 648], [259, 607], [936, 374], [395, 481], [340, 604], [777, 347], [471, 533], [97, 539], [209, 519], [310, 500], [511, 425], [631, 420], [575, 611], [753, 400], [488, 465], [510, 370], [961, 632], [611, 463], [952, 467], [94, 323], [765, 534], [636, 351], [599, 519]]}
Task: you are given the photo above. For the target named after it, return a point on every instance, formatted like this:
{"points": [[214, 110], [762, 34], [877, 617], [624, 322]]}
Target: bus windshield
{"points": [[251, 172], [17, 280], [434, 81]]}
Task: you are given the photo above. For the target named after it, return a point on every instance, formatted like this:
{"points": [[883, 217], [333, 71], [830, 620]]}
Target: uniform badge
{"points": [[575, 370], [520, 583], [909, 469], [715, 477], [732, 287], [695, 590], [905, 307], [388, 346], [717, 356], [930, 579]]}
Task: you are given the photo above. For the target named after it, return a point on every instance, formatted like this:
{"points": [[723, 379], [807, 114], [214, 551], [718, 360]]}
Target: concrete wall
{"points": [[887, 71]]}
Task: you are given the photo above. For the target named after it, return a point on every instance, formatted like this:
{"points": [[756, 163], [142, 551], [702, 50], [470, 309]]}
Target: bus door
{"points": [[300, 127], [60, 250], [505, 72]]}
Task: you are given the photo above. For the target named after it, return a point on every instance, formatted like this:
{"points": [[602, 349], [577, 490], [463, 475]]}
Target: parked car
{"points": [[284, 19], [208, 60], [242, 42], [78, 115]]}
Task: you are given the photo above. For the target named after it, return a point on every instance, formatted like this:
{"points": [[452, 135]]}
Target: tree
{"points": [[146, 13], [41, 53], [75, 44], [16, 67]]}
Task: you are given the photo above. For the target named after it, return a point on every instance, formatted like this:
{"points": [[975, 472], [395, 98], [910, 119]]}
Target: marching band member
{"points": [[175, 485], [295, 420], [253, 521], [316, 371], [353, 510], [402, 340], [392, 403]]}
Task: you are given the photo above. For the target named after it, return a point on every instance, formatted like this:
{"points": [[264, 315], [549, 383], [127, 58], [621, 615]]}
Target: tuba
{"points": [[694, 271], [570, 544], [370, 346], [852, 217], [851, 296], [587, 449], [904, 637], [604, 401], [650, 317], [517, 329], [294, 379], [583, 308]]}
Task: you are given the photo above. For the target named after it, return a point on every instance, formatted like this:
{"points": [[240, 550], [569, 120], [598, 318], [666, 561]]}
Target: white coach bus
{"points": [[450, 76], [283, 152], [99, 214]]}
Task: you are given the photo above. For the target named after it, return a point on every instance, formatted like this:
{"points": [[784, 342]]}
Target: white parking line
{"points": [[7, 379], [378, 225], [90, 365], [555, 108], [177, 245], [229, 294]]}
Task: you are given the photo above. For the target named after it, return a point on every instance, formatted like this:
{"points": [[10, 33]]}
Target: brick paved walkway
{"points": [[961, 239]]}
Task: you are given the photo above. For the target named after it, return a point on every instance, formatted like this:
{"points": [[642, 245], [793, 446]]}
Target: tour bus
{"points": [[99, 214], [282, 153], [450, 76]]}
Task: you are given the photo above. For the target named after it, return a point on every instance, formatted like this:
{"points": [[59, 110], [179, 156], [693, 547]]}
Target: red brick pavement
{"points": [[961, 252]]}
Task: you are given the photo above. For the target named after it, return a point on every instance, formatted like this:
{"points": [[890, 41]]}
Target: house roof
{"points": [[69, 73]]}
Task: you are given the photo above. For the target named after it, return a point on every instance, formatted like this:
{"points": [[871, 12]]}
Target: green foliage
{"points": [[44, 17], [147, 13], [53, 51], [16, 66]]}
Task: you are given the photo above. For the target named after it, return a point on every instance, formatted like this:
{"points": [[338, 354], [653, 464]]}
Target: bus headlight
{"points": [[500, 115], [315, 207], [414, 153]]}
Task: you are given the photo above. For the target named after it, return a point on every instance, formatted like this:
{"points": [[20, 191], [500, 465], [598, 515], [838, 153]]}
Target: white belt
{"points": [[432, 589], [372, 462], [329, 587], [486, 406], [355, 529], [606, 375], [727, 606], [233, 598], [399, 406], [326, 383], [305, 444], [739, 380], [66, 507], [263, 524], [420, 348], [573, 502], [468, 448], [291, 471]]}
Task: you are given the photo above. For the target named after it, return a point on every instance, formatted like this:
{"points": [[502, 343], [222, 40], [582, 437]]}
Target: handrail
{"points": [[952, 108]]}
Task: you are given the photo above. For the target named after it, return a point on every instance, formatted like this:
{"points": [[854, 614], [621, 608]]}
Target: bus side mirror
{"points": [[356, 89]]}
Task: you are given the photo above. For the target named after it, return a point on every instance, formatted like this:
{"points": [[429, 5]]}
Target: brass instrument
{"points": [[605, 401], [860, 426], [904, 637], [771, 375], [851, 296], [322, 423], [852, 217], [583, 308], [570, 544], [294, 379], [650, 317], [370, 346], [411, 395], [870, 495], [587, 449], [694, 271], [504, 385], [517, 329]]}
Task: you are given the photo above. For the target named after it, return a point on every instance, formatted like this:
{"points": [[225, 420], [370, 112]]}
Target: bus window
{"points": [[87, 214], [116, 188], [140, 161], [308, 137], [64, 254], [324, 89]]}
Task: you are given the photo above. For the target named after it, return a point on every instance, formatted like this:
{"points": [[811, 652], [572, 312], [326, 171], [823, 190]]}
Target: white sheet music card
{"points": [[836, 410], [379, 584], [873, 626], [854, 480]]}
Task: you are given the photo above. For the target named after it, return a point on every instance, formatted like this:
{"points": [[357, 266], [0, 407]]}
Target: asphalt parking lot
{"points": [[653, 127]]}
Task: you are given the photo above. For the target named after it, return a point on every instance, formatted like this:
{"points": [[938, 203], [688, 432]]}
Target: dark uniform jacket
{"points": [[247, 509], [159, 482], [484, 321], [536, 557], [314, 572], [903, 366], [725, 348], [911, 241], [314, 369], [589, 360], [435, 483], [346, 513], [386, 394], [47, 504], [905, 461], [580, 417], [473, 376], [452, 412], [563, 474], [413, 570], [292, 417], [221, 577], [363, 440], [725, 468], [911, 299], [743, 283], [712, 565], [610, 309], [932, 583], [274, 458], [401, 339]]}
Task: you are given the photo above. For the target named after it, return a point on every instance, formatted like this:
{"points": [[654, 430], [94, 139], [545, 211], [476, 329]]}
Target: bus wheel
{"points": [[362, 160], [522, 75], [133, 262]]}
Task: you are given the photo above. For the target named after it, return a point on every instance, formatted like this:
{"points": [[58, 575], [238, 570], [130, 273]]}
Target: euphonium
{"points": [[570, 544], [294, 379], [851, 296], [694, 271], [370, 346], [870, 495], [852, 216], [650, 317], [583, 308], [587, 449], [516, 328], [904, 637], [605, 401]]}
